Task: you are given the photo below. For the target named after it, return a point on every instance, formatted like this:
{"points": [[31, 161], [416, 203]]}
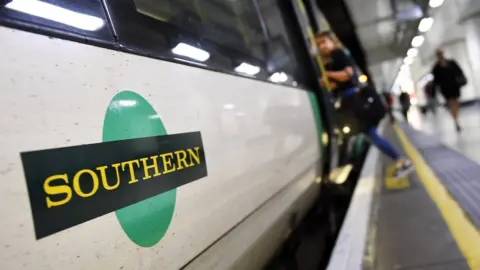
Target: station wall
{"points": [[456, 30]]}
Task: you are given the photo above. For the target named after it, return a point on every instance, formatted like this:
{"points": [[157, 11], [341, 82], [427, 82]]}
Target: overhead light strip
{"points": [[57, 14]]}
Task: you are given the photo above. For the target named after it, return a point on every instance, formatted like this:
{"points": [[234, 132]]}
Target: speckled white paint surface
{"points": [[55, 93]]}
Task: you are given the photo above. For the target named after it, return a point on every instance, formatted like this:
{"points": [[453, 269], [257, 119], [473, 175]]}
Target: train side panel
{"points": [[259, 139]]}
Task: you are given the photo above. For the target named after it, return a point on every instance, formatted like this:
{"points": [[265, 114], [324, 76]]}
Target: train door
{"points": [[335, 139], [344, 129]]}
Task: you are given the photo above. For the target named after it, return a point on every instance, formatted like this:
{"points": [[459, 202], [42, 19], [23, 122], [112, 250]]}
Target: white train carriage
{"points": [[141, 134]]}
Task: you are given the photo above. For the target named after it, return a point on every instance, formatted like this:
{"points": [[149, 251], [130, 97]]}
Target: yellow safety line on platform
{"points": [[391, 182], [463, 231]]}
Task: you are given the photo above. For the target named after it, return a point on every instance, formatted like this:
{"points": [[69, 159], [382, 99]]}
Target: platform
{"points": [[440, 125], [429, 220]]}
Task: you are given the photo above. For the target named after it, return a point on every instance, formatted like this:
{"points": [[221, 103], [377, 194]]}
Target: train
{"points": [[174, 135]]}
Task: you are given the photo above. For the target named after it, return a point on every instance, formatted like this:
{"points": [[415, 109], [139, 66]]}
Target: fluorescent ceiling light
{"points": [[435, 3], [229, 106], [191, 52], [408, 60], [412, 52], [278, 77], [57, 14], [363, 78], [413, 12], [247, 69], [417, 41], [425, 24]]}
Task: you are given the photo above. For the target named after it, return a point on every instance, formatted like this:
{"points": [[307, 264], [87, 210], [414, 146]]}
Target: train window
{"points": [[283, 44], [241, 37], [250, 38], [230, 23], [84, 18], [204, 33], [317, 19]]}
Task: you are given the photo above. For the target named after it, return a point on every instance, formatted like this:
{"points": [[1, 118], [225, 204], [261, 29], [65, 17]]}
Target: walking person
{"points": [[449, 77], [389, 105], [340, 72], [405, 103], [431, 96]]}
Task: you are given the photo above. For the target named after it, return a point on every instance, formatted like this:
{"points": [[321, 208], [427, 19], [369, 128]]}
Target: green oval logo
{"points": [[130, 116]]}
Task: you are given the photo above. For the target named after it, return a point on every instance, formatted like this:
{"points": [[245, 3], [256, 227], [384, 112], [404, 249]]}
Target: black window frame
{"points": [[22, 21], [115, 41]]}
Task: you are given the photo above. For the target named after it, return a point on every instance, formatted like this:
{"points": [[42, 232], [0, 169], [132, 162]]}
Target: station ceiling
{"points": [[378, 32]]}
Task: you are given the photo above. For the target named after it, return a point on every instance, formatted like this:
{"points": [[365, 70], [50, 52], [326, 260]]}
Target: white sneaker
{"points": [[404, 168]]}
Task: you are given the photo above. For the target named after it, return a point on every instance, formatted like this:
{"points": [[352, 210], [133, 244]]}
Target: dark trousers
{"points": [[390, 114], [405, 113]]}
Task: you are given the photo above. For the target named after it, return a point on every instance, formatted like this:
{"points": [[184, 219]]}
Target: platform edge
{"points": [[349, 249]]}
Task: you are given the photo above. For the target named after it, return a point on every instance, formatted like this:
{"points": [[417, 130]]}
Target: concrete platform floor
{"points": [[441, 125], [410, 231]]}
